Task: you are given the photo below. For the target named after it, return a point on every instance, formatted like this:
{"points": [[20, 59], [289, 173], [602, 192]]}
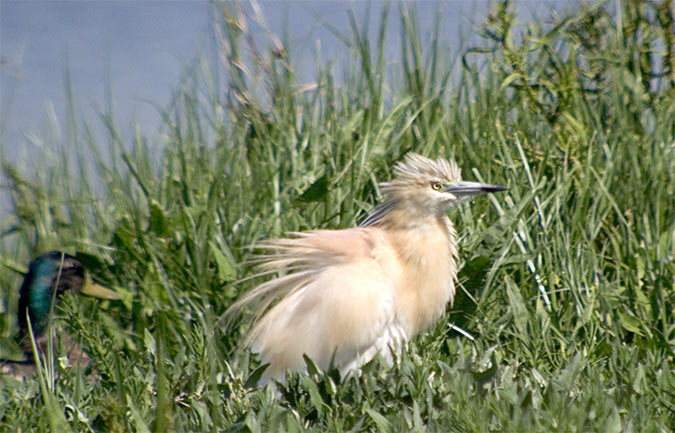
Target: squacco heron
{"points": [[344, 296]]}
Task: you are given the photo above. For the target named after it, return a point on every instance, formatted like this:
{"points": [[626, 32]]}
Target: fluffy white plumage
{"points": [[347, 295]]}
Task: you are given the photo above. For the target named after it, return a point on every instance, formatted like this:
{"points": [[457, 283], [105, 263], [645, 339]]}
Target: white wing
{"points": [[341, 310]]}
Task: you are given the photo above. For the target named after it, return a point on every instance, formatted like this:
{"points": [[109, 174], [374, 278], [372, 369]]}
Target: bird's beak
{"points": [[473, 188], [97, 291]]}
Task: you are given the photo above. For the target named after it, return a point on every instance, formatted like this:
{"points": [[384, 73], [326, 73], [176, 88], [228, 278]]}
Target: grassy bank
{"points": [[566, 310]]}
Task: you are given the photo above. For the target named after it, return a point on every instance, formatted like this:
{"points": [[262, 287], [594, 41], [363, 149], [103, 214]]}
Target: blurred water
{"points": [[141, 48]]}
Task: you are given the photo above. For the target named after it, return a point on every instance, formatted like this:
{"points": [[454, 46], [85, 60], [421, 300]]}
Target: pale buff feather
{"points": [[343, 296]]}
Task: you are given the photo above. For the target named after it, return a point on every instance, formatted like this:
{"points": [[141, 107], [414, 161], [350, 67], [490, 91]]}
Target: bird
{"points": [[341, 297], [49, 276]]}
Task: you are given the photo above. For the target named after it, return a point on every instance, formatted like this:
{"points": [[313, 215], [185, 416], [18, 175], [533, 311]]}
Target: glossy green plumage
{"points": [[48, 277]]}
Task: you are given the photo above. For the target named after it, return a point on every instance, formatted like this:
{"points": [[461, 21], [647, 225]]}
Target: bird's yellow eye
{"points": [[436, 186]]}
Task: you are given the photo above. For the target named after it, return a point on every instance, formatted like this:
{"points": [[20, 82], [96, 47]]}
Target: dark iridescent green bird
{"points": [[49, 276]]}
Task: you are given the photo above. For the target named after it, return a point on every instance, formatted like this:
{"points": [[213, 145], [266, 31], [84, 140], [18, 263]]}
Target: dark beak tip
{"points": [[474, 188]]}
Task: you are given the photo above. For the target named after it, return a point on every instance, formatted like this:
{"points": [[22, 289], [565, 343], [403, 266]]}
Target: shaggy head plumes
{"points": [[420, 188], [418, 170]]}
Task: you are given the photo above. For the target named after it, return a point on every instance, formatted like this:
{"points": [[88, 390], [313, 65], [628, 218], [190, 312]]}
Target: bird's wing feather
{"points": [[339, 306]]}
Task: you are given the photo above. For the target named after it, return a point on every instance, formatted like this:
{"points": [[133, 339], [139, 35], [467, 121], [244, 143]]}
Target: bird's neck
{"points": [[428, 253]]}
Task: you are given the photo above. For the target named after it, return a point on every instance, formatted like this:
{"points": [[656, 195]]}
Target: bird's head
{"points": [[424, 185], [49, 276]]}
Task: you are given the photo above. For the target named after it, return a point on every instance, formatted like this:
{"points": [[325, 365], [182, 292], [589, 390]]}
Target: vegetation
{"points": [[566, 316]]}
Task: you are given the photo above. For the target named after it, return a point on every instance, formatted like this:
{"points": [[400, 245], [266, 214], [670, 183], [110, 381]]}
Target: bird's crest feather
{"points": [[416, 169]]}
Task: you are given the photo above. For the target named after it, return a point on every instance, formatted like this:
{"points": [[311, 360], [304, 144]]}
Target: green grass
{"points": [[567, 279]]}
